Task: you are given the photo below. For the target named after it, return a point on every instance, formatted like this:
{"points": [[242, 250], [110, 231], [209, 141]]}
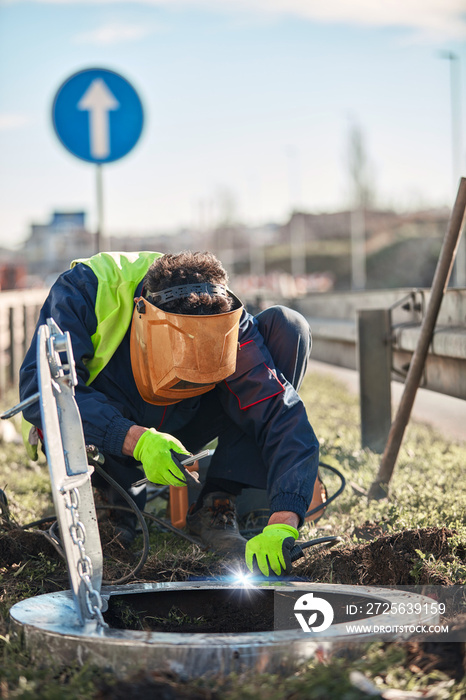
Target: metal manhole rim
{"points": [[338, 631]]}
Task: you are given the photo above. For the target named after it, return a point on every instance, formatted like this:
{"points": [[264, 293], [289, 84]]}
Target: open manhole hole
{"points": [[207, 628], [231, 610]]}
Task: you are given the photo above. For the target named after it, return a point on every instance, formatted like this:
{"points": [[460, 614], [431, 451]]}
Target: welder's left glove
{"points": [[271, 550], [154, 451]]}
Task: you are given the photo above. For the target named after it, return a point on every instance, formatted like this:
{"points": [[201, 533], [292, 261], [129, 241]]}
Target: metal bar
{"points": [[20, 406], [379, 487], [375, 364]]}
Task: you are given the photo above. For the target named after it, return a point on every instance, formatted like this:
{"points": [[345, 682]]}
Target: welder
{"points": [[168, 359]]}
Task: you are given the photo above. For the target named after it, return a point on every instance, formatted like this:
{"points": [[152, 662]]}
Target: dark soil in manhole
{"points": [[192, 611], [222, 610]]}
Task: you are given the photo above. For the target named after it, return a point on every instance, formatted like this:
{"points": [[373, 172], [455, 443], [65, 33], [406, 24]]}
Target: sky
{"points": [[248, 107]]}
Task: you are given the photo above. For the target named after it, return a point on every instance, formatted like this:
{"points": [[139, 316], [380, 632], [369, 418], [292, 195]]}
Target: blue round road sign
{"points": [[97, 115]]}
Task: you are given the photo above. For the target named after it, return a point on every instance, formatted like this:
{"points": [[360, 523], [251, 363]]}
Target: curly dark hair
{"points": [[188, 268]]}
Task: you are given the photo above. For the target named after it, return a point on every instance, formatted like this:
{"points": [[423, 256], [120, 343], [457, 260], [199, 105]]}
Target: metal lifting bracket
{"points": [[70, 472]]}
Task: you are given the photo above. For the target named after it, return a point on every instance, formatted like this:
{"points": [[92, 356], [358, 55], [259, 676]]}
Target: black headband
{"points": [[184, 290]]}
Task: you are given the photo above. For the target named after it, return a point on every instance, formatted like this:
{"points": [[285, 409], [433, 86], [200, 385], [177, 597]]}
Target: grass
{"points": [[426, 492], [426, 489]]}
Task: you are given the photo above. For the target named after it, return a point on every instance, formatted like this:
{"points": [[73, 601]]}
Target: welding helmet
{"points": [[178, 356]]}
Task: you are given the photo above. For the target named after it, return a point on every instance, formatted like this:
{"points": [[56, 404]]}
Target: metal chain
{"points": [[84, 565]]}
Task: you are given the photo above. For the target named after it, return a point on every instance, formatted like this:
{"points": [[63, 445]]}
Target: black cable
{"points": [[164, 524], [41, 521], [134, 508], [335, 495], [162, 491], [321, 506], [297, 551], [52, 536], [131, 508]]}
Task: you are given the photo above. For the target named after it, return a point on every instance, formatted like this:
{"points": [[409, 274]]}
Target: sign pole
{"points": [[100, 208]]}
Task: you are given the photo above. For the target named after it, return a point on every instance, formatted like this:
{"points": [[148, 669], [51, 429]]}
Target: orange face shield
{"points": [[178, 356]]}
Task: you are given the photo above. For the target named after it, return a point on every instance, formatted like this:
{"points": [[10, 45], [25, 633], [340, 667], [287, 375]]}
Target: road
{"points": [[444, 413]]}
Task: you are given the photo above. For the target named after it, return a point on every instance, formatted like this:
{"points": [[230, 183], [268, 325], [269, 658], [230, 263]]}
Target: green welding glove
{"points": [[153, 451], [271, 550]]}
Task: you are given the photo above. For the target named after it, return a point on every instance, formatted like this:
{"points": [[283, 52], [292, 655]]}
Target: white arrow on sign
{"points": [[98, 100]]}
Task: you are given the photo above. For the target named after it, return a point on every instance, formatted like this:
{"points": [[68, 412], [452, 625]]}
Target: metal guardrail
{"points": [[334, 322], [376, 333]]}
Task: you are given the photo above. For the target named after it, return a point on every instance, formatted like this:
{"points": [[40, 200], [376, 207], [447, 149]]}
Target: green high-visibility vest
{"points": [[118, 275]]}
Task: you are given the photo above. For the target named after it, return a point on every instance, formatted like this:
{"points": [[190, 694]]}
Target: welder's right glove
{"points": [[271, 550], [153, 451]]}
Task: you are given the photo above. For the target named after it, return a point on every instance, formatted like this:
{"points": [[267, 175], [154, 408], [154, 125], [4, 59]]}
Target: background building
{"points": [[51, 247]]}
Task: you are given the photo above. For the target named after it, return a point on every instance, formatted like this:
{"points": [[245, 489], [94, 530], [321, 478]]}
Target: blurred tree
{"points": [[360, 169], [362, 193], [225, 233], [227, 207]]}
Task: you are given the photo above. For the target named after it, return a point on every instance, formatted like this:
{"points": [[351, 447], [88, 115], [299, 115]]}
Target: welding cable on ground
{"points": [[297, 551], [52, 536], [164, 525], [139, 515], [333, 496], [254, 530]]}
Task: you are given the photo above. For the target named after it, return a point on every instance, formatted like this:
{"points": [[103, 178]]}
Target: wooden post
{"points": [[379, 488]]}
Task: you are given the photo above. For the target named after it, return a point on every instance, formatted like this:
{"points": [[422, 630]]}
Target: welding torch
{"points": [[192, 477]]}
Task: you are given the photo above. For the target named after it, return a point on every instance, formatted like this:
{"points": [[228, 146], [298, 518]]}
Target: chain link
{"points": [[84, 565]]}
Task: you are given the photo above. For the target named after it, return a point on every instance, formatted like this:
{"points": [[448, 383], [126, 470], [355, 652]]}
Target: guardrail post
{"points": [[375, 363]]}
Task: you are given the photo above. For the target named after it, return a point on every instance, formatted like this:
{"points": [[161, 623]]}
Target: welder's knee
{"points": [[288, 337]]}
